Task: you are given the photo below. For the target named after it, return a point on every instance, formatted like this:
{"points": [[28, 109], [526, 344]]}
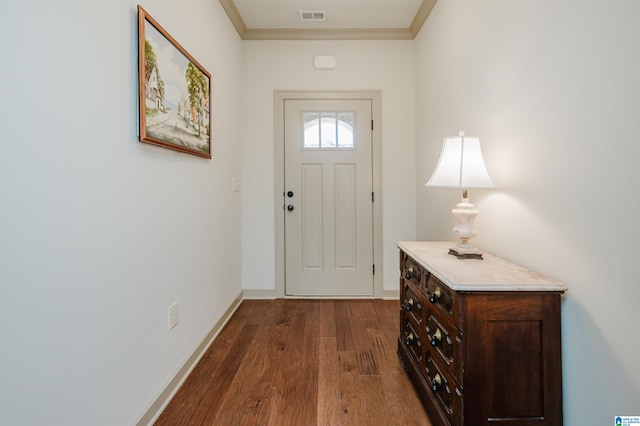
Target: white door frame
{"points": [[279, 129]]}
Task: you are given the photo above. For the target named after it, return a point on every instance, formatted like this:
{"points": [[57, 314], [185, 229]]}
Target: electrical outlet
{"points": [[173, 315]]}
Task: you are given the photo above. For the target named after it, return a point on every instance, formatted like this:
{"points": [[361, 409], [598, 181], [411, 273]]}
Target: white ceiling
{"points": [[345, 19]]}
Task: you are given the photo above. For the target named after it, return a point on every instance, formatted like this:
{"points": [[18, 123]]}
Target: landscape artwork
{"points": [[175, 93]]}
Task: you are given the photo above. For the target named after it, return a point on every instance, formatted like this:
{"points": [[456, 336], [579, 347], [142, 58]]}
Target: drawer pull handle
{"points": [[437, 338], [409, 273], [409, 339], [436, 383], [408, 305], [435, 296]]}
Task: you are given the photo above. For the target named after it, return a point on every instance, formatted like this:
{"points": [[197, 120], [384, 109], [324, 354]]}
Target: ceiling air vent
{"points": [[312, 15]]}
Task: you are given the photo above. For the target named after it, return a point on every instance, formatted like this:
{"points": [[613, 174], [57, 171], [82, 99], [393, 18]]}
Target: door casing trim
{"points": [[376, 103]]}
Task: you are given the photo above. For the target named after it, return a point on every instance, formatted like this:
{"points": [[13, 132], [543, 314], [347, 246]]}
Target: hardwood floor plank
{"points": [[367, 365], [384, 334], [329, 395], [360, 314], [297, 384], [184, 403], [195, 396], [388, 318], [254, 384], [404, 405], [344, 338], [375, 400], [357, 312], [327, 319], [291, 362], [353, 408]]}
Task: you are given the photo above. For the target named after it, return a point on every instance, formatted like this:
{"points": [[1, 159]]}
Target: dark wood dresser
{"points": [[480, 339]]}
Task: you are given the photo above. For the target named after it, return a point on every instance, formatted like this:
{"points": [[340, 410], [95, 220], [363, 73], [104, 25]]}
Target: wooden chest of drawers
{"points": [[480, 339]]}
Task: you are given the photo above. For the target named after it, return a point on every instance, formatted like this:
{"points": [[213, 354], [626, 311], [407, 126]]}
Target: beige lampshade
{"points": [[461, 165]]}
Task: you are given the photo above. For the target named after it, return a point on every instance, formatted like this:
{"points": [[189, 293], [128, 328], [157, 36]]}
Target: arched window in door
{"points": [[328, 130]]}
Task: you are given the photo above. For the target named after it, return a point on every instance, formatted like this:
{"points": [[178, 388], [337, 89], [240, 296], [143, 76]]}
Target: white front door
{"points": [[328, 197]]}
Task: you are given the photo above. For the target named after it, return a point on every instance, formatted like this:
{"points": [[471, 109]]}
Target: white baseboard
{"points": [[271, 294], [162, 400], [260, 294], [390, 295]]}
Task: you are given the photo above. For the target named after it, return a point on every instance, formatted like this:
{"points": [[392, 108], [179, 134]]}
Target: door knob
{"points": [[290, 194], [290, 207]]}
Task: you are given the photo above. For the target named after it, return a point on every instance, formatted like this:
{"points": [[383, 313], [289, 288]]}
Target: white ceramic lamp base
{"points": [[465, 213]]}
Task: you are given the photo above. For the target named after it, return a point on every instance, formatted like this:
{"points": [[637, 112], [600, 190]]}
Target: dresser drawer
{"points": [[413, 272], [412, 303], [413, 340], [444, 390], [446, 344], [441, 299]]}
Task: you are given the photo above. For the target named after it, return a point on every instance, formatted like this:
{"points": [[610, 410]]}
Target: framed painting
{"points": [[174, 92]]}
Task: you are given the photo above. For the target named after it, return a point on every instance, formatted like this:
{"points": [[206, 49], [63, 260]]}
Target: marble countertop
{"points": [[488, 274]]}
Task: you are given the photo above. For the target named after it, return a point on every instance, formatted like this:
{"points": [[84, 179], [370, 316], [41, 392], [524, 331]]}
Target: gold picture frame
{"points": [[174, 92]]}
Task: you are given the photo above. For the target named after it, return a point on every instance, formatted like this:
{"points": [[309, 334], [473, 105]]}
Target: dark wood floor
{"points": [[301, 363]]}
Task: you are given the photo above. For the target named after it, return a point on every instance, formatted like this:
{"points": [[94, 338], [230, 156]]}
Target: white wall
{"points": [[387, 66], [552, 89], [99, 233]]}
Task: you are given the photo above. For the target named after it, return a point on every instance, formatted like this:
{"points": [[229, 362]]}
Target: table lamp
{"points": [[461, 166]]}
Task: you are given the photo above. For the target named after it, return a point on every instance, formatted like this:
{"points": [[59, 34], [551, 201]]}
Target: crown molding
{"points": [[234, 16], [421, 16], [328, 34]]}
